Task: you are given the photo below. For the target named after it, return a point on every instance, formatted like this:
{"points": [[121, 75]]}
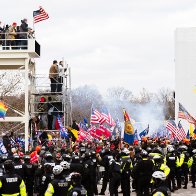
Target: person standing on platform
{"points": [[53, 75], [23, 34], [12, 35], [61, 71]]}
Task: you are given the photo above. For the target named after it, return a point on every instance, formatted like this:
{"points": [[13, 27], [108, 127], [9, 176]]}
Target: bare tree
{"points": [[165, 97], [120, 93], [11, 83], [83, 98], [144, 97]]}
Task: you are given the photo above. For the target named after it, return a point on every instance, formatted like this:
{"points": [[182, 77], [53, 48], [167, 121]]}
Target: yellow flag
{"points": [[75, 133], [128, 129], [49, 137], [191, 130]]}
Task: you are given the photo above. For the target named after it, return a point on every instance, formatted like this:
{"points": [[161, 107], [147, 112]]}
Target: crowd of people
{"points": [[153, 167], [15, 36]]}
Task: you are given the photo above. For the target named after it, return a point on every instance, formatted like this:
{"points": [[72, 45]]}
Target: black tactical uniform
{"points": [[114, 176], [126, 168], [77, 188], [87, 177], [29, 175], [59, 186], [193, 168], [185, 168], [142, 173], [105, 163], [47, 177], [172, 161], [94, 172], [76, 165], [11, 183], [19, 167]]}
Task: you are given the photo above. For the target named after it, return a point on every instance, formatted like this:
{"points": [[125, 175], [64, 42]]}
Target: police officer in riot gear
{"points": [[193, 167], [76, 165], [126, 168], [105, 163], [114, 175], [161, 188], [94, 171], [46, 178], [142, 174], [19, 167], [48, 159], [66, 168], [172, 162], [29, 175], [159, 165], [59, 186], [3, 158], [77, 188], [184, 158], [66, 157], [11, 183], [87, 177]]}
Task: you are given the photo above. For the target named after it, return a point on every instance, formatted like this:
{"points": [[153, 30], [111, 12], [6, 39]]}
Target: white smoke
{"points": [[151, 114]]}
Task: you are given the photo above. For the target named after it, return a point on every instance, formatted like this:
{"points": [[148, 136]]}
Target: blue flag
{"points": [[188, 135], [83, 126], [63, 130], [129, 138], [85, 122], [144, 132], [128, 129], [2, 148]]}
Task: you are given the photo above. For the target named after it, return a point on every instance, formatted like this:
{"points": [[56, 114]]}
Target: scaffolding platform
{"points": [[47, 93]]}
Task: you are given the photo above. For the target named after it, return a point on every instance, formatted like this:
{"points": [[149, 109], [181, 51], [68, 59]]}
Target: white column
{"points": [[26, 105]]}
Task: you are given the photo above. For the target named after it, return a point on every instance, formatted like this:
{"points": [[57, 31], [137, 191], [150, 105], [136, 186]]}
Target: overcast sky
{"points": [[108, 43]]}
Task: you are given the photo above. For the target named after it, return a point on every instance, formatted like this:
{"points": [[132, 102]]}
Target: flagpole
{"points": [[91, 113], [176, 109], [34, 26]]}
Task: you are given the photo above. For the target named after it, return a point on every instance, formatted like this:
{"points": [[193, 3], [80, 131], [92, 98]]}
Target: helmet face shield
{"points": [[57, 169]]}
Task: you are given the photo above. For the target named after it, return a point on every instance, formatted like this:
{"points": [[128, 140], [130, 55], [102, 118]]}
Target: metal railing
{"points": [[20, 41]]}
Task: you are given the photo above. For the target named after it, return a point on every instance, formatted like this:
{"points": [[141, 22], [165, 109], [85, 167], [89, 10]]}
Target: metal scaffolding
{"points": [[20, 57], [35, 85]]}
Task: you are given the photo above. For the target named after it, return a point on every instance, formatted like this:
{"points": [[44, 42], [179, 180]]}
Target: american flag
{"points": [[184, 114], [171, 126], [180, 132], [40, 15], [107, 117], [177, 132], [96, 117]]}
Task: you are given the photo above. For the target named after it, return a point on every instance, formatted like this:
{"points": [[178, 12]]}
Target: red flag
{"points": [[96, 117], [106, 131]]}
